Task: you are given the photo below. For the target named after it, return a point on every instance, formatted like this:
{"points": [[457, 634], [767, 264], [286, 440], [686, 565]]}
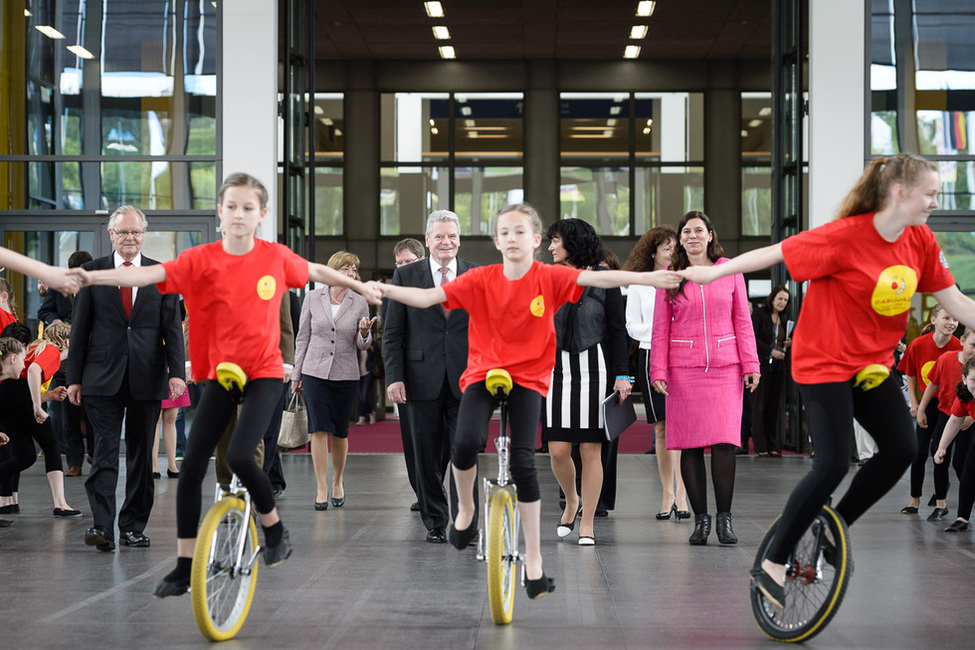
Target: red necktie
{"points": [[444, 279], [126, 294]]}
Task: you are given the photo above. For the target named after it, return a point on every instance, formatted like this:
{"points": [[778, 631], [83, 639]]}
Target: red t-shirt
{"points": [[512, 322], [6, 318], [921, 355], [945, 374], [234, 305], [855, 310], [49, 360], [961, 410]]}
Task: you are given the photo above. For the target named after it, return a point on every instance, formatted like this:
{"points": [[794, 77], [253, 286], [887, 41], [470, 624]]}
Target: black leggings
{"points": [[212, 415], [830, 409], [722, 475], [941, 471], [966, 485], [524, 411], [923, 449], [19, 424]]}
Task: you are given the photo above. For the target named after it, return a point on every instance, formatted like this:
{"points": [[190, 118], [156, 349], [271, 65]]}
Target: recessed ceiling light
{"points": [[744, 133], [469, 124], [645, 8], [765, 111], [755, 123], [77, 50], [433, 9], [447, 52], [631, 52], [646, 130], [638, 31], [49, 31], [615, 110], [441, 32], [465, 110]]}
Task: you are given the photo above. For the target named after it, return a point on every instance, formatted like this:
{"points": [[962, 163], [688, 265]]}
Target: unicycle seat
{"points": [[231, 376], [498, 382]]}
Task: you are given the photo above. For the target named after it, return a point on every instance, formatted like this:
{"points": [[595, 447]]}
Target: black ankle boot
{"points": [[702, 528], [723, 528]]}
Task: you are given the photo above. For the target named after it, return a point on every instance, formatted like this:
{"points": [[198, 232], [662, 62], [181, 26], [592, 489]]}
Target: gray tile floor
{"points": [[363, 576]]}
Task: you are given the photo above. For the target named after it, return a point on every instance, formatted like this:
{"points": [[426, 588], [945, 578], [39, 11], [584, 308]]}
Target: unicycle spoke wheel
{"points": [[502, 545], [817, 576], [222, 593]]}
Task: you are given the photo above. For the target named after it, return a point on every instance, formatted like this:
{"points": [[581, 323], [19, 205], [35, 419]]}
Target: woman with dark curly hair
{"points": [[591, 349], [655, 251], [701, 355]]}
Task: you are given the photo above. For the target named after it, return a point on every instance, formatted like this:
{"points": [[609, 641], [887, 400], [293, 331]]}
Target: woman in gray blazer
{"points": [[334, 323]]}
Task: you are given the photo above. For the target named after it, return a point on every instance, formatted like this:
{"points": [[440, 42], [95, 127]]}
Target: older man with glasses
{"points": [[126, 356]]}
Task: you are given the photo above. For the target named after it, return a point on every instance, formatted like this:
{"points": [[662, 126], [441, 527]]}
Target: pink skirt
{"points": [[704, 408], [182, 400]]}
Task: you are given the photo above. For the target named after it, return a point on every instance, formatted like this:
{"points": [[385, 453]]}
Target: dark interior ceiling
{"points": [[542, 29]]}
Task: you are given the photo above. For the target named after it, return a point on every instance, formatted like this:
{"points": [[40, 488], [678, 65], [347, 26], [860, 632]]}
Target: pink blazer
{"points": [[709, 325]]}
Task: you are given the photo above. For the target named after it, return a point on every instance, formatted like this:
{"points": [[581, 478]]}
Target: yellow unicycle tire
{"points": [[221, 595], [501, 560]]}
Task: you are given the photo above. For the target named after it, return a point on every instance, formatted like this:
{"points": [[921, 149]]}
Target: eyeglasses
{"points": [[129, 233], [405, 262]]}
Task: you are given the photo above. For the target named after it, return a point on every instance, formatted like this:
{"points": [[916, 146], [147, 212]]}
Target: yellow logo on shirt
{"points": [[537, 307], [266, 287], [895, 287], [926, 370]]}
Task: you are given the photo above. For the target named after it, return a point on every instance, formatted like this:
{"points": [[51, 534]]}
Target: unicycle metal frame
{"points": [[237, 490], [502, 482]]}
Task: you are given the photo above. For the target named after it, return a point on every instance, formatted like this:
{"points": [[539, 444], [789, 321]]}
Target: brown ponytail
{"points": [[871, 191]]}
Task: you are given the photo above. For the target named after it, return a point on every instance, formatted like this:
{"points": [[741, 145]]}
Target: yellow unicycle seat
{"points": [[231, 376], [498, 382], [871, 376]]}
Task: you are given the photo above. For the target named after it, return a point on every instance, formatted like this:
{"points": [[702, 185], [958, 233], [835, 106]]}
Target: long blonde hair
{"points": [[56, 334], [9, 290], [871, 191]]}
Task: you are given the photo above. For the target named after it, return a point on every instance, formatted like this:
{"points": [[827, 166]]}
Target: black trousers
{"points": [[830, 409], [19, 424], [765, 412], [923, 448], [433, 424], [105, 416], [406, 435]]}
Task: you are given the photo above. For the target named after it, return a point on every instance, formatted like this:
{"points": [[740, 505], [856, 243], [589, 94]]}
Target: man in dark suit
{"points": [[425, 353], [126, 357]]}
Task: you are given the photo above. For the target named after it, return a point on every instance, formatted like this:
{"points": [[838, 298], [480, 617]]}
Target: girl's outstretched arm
{"points": [[612, 279], [413, 296], [331, 277], [756, 260], [55, 277], [133, 276]]}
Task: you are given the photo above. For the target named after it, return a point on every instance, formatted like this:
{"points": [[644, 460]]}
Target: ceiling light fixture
{"points": [[646, 130], [645, 8], [765, 111], [615, 110], [447, 52], [49, 31], [638, 32], [631, 52], [465, 110], [27, 13], [440, 32], [79, 51], [433, 9], [755, 123]]}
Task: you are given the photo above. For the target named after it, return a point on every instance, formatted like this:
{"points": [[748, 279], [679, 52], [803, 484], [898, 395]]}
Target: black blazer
{"points": [[765, 339], [55, 306], [421, 346], [104, 345]]}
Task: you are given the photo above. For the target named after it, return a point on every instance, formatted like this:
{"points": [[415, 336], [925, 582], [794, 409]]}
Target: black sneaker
{"points": [[165, 588], [275, 555]]}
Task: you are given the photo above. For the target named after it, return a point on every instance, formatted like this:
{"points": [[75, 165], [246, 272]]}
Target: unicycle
{"points": [[498, 547], [224, 573], [816, 578]]}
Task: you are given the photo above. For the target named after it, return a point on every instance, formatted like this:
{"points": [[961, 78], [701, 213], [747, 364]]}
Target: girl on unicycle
{"points": [[511, 307], [863, 268], [232, 289]]}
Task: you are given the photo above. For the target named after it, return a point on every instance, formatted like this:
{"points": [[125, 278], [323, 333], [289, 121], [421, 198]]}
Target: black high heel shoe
{"points": [[537, 588], [683, 514], [702, 528], [662, 516], [725, 533]]}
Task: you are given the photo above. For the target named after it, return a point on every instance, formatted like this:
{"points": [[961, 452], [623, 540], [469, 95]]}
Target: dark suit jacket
{"points": [[104, 345], [55, 306], [420, 346]]}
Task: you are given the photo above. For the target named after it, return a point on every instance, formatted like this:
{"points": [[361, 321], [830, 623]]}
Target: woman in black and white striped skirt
{"points": [[591, 363]]}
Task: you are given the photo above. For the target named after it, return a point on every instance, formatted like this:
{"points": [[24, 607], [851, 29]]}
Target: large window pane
{"points": [[488, 124], [595, 124], [328, 201], [408, 195], [413, 126], [669, 126], [329, 126], [599, 196], [959, 250], [41, 185], [664, 194], [158, 185], [756, 201], [482, 191]]}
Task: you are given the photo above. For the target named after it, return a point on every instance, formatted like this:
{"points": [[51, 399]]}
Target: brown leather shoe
{"points": [[74, 470]]}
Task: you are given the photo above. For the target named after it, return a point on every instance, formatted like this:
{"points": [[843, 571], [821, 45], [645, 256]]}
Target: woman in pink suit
{"points": [[702, 354]]}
